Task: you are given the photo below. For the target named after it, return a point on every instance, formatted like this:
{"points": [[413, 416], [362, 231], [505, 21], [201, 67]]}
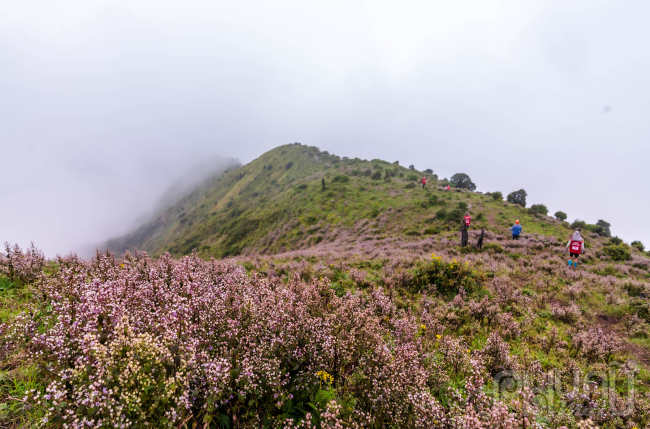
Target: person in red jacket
{"points": [[576, 247], [424, 181], [448, 188], [467, 219]]}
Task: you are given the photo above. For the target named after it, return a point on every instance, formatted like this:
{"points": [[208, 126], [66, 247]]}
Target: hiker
{"points": [[516, 230], [448, 188], [467, 219], [424, 181], [479, 243], [576, 247]]}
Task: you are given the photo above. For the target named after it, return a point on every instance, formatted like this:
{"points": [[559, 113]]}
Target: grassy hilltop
{"points": [[276, 203], [349, 307]]}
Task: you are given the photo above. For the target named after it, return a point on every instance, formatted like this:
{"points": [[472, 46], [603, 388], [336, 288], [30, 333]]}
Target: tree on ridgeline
{"points": [[463, 181], [518, 197]]}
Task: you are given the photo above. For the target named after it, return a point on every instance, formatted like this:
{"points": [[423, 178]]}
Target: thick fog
{"points": [[106, 104]]}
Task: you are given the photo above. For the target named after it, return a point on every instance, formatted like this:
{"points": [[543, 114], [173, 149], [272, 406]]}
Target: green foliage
{"points": [[342, 178], [428, 171], [463, 181], [448, 277], [412, 177], [431, 231], [560, 215], [289, 165], [412, 167], [455, 215], [638, 245], [518, 197], [579, 224], [376, 175], [433, 200], [462, 206], [620, 252], [303, 186], [496, 247], [615, 241], [605, 228], [410, 185], [442, 213], [498, 196], [539, 209]]}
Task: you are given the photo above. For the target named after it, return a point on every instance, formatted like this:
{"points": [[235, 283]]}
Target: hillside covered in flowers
{"points": [[337, 313]]}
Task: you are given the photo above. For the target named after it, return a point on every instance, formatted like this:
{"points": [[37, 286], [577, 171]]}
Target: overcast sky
{"points": [[105, 104]]}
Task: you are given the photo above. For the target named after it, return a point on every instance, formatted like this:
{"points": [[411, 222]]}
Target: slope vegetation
{"points": [[277, 203]]}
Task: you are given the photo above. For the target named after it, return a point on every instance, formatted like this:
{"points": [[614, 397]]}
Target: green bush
{"points": [[496, 247], [431, 231], [448, 277], [341, 178], [615, 241], [620, 252], [412, 177], [367, 172], [455, 215], [539, 209], [638, 245], [376, 175], [303, 186], [462, 206], [560, 215], [410, 185], [289, 165], [433, 200], [518, 197], [480, 216], [498, 196], [441, 214], [579, 224]]}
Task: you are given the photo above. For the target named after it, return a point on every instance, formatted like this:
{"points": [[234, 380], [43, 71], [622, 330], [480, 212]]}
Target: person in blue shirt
{"points": [[516, 230]]}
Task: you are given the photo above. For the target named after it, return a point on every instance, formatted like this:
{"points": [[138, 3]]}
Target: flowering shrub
{"points": [[373, 334], [21, 266]]}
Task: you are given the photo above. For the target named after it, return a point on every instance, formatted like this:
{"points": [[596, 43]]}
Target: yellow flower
{"points": [[423, 327], [468, 351], [438, 336], [122, 265]]}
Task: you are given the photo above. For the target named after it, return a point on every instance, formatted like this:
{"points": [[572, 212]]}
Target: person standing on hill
{"points": [[516, 230], [576, 247], [448, 188], [424, 181], [467, 219]]}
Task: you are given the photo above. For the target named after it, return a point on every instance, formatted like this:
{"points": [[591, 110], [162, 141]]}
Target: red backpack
{"points": [[576, 246], [468, 220]]}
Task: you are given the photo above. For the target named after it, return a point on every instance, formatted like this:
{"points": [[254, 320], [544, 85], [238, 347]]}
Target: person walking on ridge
{"points": [[516, 230], [467, 219], [576, 247], [424, 181]]}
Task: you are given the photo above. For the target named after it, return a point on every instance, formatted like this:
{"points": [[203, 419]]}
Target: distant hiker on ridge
{"points": [[467, 219], [576, 247], [424, 181], [448, 188], [516, 230]]}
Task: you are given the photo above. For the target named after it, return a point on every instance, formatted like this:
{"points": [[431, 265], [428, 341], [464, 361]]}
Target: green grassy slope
{"points": [[276, 203]]}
